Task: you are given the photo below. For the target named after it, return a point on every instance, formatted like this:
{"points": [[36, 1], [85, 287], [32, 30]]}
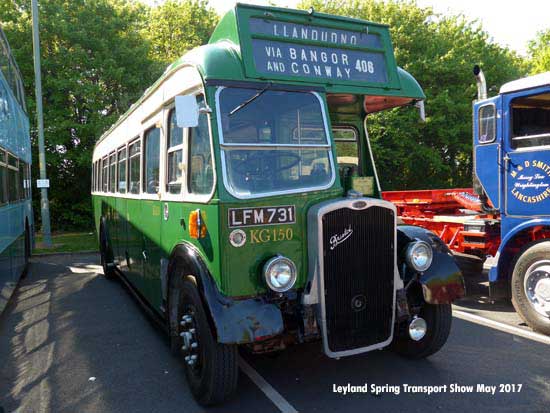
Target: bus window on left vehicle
{"points": [[134, 153], [22, 169], [105, 174], [13, 178], [152, 161], [122, 170], [175, 155], [201, 174], [3, 177]]}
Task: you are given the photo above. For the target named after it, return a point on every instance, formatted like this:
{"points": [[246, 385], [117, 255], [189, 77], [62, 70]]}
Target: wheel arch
{"points": [[187, 259], [232, 321], [442, 283], [514, 243]]}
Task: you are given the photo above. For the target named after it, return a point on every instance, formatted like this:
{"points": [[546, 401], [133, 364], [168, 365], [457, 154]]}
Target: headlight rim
{"points": [[408, 255], [273, 261]]}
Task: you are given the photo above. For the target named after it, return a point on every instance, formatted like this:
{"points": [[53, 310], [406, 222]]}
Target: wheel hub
{"points": [[537, 287], [189, 337]]}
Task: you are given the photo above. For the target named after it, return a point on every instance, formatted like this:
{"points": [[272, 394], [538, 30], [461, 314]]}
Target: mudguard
{"points": [[233, 321], [442, 283]]}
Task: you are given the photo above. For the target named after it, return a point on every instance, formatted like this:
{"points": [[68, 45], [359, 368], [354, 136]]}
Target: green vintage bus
{"points": [[239, 200]]}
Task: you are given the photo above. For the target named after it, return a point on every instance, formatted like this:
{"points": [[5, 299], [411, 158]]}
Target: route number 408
{"points": [[364, 66]]}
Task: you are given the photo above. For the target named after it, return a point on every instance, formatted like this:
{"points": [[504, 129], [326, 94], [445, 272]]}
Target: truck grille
{"points": [[358, 276]]}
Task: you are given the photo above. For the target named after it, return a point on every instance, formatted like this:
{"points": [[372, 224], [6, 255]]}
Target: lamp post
{"points": [[44, 203]]}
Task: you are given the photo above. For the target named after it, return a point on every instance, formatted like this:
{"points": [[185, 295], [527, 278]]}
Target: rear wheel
{"points": [[210, 367], [438, 320], [531, 286], [106, 255]]}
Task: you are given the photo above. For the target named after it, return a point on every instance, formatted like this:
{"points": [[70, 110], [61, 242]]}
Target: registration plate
{"points": [[249, 217]]}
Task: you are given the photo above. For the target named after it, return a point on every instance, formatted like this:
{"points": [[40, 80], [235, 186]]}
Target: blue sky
{"points": [[510, 23]]}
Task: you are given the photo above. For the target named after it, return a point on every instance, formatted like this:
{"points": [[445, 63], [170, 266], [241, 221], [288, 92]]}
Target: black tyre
{"points": [[211, 368], [438, 319], [106, 255], [531, 286]]}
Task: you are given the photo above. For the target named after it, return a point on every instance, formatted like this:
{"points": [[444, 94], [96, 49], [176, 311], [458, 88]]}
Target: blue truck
{"points": [[504, 221], [512, 177]]}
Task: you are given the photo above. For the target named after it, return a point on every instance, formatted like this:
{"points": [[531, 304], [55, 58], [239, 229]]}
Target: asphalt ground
{"points": [[72, 341]]}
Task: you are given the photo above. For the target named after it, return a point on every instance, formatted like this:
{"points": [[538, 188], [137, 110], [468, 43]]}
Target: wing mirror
{"points": [[421, 109], [188, 111]]}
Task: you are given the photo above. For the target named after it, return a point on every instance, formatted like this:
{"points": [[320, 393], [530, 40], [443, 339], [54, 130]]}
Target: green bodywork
{"points": [[143, 241]]}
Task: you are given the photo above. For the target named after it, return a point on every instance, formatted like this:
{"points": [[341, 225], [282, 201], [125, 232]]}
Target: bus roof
{"points": [[341, 55]]}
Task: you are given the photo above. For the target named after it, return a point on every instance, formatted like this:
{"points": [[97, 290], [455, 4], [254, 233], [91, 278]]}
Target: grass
{"points": [[67, 242]]}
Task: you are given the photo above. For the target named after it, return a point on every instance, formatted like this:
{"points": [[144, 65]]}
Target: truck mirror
{"points": [[420, 105], [187, 111]]}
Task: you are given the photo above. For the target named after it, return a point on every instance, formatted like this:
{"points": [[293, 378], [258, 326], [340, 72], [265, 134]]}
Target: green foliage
{"points": [[67, 242], [97, 58], [539, 51], [177, 26], [439, 51]]}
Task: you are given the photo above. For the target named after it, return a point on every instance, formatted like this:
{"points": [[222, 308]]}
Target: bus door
{"points": [[488, 147], [527, 153]]}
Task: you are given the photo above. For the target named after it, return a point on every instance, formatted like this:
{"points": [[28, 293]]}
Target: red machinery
{"points": [[455, 215]]}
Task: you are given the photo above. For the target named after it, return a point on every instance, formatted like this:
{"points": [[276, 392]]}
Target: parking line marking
{"points": [[282, 404], [464, 315]]}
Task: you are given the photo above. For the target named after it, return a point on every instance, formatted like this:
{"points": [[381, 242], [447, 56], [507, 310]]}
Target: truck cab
{"points": [[512, 167]]}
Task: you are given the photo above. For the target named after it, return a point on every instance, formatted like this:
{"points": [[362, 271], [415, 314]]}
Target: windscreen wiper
{"points": [[252, 99]]}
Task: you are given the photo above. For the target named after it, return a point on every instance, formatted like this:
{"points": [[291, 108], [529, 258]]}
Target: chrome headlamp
{"points": [[280, 274], [419, 255]]}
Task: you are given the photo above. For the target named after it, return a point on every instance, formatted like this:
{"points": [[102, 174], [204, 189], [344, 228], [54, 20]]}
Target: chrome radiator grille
{"points": [[358, 270]]}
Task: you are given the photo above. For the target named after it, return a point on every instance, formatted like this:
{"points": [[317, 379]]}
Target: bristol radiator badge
{"points": [[337, 239]]}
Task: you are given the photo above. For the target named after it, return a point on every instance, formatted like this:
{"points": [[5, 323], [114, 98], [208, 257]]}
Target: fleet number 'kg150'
{"points": [[247, 217]]}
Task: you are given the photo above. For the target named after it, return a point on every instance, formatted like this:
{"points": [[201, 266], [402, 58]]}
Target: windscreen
{"points": [[273, 141]]}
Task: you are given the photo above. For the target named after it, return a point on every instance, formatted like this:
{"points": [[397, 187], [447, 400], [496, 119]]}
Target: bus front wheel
{"points": [[531, 286], [211, 368]]}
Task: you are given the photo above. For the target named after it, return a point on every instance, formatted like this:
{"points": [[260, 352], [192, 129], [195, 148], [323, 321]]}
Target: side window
{"points": [[22, 169], [487, 123], [175, 155], [96, 176], [531, 121], [201, 175], [3, 178], [152, 161], [347, 147], [13, 178], [134, 153], [122, 170], [105, 175], [112, 173]]}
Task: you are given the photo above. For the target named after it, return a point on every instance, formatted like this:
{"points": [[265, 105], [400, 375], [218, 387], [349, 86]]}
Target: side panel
{"points": [[487, 154]]}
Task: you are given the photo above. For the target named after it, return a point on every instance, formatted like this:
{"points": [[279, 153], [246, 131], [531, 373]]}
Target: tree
{"points": [[178, 26], [539, 52], [94, 64], [439, 52]]}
